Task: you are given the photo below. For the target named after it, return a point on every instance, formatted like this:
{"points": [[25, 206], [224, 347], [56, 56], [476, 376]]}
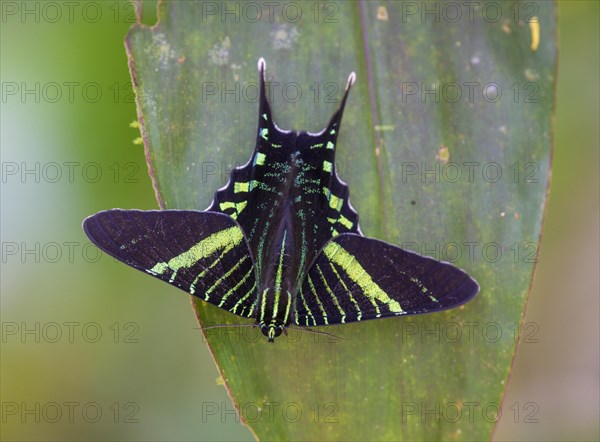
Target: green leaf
{"points": [[423, 165]]}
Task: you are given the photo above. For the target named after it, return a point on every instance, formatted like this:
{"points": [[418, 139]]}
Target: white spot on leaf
{"points": [[531, 75], [284, 36], [443, 154], [162, 50], [219, 53], [382, 13]]}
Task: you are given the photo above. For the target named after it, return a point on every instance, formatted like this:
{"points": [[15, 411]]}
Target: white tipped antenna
{"points": [[351, 80]]}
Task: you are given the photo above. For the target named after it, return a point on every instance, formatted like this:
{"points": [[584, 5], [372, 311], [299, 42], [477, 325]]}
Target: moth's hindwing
{"points": [[290, 179], [356, 278], [203, 253]]}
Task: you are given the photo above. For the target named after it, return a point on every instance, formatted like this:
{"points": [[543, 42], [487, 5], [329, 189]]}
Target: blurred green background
{"points": [[92, 350]]}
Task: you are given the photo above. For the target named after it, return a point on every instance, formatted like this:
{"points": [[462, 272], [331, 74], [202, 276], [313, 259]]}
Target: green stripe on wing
{"points": [[356, 278], [203, 253]]}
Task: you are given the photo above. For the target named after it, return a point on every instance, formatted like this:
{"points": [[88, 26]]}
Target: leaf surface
{"points": [[446, 147]]}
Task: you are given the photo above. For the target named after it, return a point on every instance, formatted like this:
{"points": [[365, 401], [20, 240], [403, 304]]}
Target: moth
{"points": [[280, 242]]}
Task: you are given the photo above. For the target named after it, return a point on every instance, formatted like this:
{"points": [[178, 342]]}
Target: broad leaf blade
{"points": [[405, 137]]}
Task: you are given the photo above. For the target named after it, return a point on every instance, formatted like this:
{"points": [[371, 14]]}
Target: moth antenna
{"points": [[309, 330], [225, 326]]}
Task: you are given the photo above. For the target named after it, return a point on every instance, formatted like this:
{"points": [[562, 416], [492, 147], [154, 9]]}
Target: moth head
{"points": [[271, 331]]}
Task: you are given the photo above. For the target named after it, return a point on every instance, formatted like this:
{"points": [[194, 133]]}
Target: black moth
{"points": [[280, 243]]}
